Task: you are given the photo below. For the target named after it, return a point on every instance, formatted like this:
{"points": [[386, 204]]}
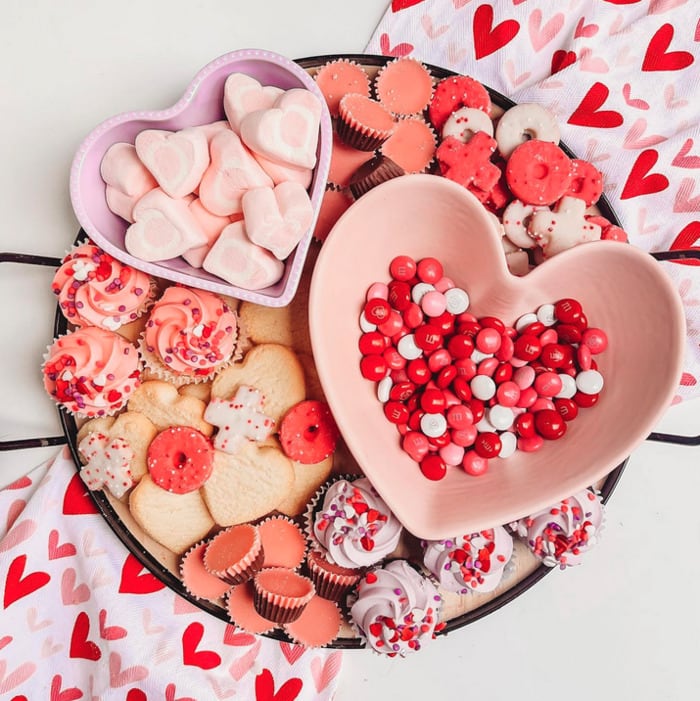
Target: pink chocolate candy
{"points": [[176, 160], [163, 228], [236, 259], [232, 171], [277, 218], [288, 132], [243, 95]]}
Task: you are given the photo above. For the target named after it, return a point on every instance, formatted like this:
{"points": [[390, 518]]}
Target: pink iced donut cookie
{"points": [[236, 259], [278, 218], [538, 172], [180, 459], [163, 227], [523, 122], [238, 419], [452, 93], [586, 182], [308, 432], [176, 160], [243, 94]]}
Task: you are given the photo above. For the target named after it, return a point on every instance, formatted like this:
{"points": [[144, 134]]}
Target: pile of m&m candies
{"points": [[462, 390]]}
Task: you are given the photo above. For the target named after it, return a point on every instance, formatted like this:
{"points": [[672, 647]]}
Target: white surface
{"points": [[623, 625]]}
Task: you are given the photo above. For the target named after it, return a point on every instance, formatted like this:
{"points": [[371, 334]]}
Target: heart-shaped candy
{"points": [[288, 132], [243, 95]]}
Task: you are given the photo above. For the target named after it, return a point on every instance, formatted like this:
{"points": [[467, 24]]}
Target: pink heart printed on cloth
{"points": [[277, 218], [288, 132], [232, 171], [243, 95], [235, 258], [592, 70], [163, 228], [80, 623], [176, 160]]}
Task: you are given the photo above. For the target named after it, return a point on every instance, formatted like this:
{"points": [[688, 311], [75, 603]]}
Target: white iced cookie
{"points": [[516, 217], [465, 122], [562, 228], [522, 123]]}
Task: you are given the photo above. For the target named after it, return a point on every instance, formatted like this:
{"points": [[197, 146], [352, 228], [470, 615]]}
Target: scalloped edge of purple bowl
{"points": [[282, 292]]}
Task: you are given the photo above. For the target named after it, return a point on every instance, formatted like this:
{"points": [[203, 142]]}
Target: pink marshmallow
{"points": [[232, 171], [288, 132], [122, 169], [211, 226], [163, 228], [279, 172], [121, 204], [176, 160], [277, 219], [243, 94], [212, 129], [236, 259]]}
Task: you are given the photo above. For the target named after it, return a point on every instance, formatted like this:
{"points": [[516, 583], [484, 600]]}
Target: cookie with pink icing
{"points": [[107, 463], [232, 171], [239, 419], [163, 228], [95, 289], [236, 259], [287, 132], [563, 227], [176, 160], [278, 218], [243, 94]]}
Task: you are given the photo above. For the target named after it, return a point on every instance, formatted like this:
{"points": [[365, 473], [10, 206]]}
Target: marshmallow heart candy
{"points": [[176, 160], [236, 259], [122, 169], [243, 95], [288, 132], [277, 218], [232, 171], [280, 172], [163, 228], [211, 225]]}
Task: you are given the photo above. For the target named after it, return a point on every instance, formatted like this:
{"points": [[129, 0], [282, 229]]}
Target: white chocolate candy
{"points": [[515, 220], [243, 94], [562, 228], [236, 259], [176, 160], [509, 444], [433, 425], [163, 228], [232, 172], [288, 132], [465, 122], [457, 300], [238, 419], [523, 122], [278, 218], [589, 382]]}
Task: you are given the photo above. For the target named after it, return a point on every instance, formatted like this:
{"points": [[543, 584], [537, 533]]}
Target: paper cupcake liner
{"points": [[262, 627], [333, 586], [279, 607], [243, 569]]}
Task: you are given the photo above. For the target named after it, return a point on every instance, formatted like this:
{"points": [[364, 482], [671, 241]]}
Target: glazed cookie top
{"points": [[192, 332], [91, 371], [354, 524], [94, 289]]}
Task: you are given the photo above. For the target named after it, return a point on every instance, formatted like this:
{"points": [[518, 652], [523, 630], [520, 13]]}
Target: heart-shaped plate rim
{"points": [[201, 103], [427, 215]]}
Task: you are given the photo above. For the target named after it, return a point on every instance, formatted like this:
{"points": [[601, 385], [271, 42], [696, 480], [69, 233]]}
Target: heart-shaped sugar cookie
{"points": [[288, 132], [243, 95], [247, 485]]}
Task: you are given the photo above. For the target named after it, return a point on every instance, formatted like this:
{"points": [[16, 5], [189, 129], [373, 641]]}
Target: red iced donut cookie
{"points": [[308, 433], [586, 181], [455, 92], [180, 459], [538, 172]]}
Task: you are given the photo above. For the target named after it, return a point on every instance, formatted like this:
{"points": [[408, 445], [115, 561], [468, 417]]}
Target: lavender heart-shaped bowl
{"points": [[622, 289], [201, 103]]}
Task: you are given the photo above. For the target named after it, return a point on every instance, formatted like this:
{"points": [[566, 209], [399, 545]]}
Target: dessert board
{"points": [[458, 609]]}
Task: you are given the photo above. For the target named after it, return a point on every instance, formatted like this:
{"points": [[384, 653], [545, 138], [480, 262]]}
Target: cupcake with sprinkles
{"points": [[562, 534], [474, 562], [94, 289], [91, 372], [190, 336], [396, 609], [351, 525]]}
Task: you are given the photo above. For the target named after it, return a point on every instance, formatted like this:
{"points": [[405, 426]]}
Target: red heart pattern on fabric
{"points": [[70, 592], [683, 160], [541, 34], [80, 645], [634, 138], [57, 550], [659, 58], [633, 102], [77, 499], [640, 181], [233, 637], [684, 201], [58, 693], [401, 49], [292, 652], [13, 512], [19, 533], [488, 37], [398, 5], [588, 112], [204, 659], [17, 676], [135, 579], [561, 59], [18, 584], [110, 632], [265, 688]]}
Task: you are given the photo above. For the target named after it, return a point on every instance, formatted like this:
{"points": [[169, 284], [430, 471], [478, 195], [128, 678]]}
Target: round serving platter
{"points": [[458, 610]]}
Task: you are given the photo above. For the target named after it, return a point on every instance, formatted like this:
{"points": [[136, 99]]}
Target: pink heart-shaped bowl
{"points": [[202, 103], [622, 290]]}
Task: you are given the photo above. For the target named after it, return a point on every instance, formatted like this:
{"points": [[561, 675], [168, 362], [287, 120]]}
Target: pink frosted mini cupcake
{"points": [[190, 336]]}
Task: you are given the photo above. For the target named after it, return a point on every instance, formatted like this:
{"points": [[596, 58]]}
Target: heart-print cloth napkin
{"points": [[81, 619], [623, 79]]}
